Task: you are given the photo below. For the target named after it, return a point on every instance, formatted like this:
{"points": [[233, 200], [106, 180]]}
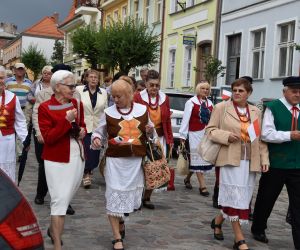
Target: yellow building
{"points": [[114, 10], [189, 34]]}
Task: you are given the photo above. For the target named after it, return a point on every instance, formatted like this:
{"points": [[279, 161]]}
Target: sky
{"points": [[25, 13]]}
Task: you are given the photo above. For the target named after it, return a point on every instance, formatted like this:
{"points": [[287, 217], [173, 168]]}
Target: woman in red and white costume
{"points": [[12, 121], [158, 107], [195, 118], [125, 126]]}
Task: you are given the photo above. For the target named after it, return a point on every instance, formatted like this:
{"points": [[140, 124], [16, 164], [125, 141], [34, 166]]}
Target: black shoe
{"points": [[115, 241], [204, 193], [260, 237], [39, 201], [236, 245], [213, 225], [50, 236], [148, 204], [187, 184], [70, 210]]}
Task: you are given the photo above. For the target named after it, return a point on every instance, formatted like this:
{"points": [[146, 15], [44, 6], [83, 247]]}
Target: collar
{"points": [[288, 105], [195, 100], [144, 96], [137, 111], [86, 88]]}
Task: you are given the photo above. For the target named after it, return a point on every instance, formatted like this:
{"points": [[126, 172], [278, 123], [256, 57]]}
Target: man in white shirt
{"points": [[281, 130]]}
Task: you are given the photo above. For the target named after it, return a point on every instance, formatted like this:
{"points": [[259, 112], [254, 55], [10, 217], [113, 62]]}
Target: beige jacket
{"points": [[42, 96], [230, 153]]}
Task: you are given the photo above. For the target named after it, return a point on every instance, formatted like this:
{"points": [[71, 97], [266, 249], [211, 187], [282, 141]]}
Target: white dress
{"points": [[8, 142], [123, 175]]}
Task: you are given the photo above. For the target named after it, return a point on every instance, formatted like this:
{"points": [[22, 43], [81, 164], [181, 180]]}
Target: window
{"points": [[158, 11], [136, 9], [147, 11], [116, 15], [187, 66], [190, 3], [258, 53], [172, 67], [108, 19], [233, 58], [285, 48], [173, 6], [124, 13]]}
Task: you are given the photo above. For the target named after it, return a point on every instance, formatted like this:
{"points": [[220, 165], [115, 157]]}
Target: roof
{"points": [[71, 14], [45, 27]]}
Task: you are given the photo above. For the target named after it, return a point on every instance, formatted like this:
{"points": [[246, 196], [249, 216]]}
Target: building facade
{"points": [[257, 39], [189, 35]]}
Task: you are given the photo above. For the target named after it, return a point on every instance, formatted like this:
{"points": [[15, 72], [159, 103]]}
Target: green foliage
{"points": [[84, 44], [297, 46], [213, 68], [34, 59], [127, 45], [57, 56]]}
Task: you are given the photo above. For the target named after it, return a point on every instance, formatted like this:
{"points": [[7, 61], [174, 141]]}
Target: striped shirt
{"points": [[20, 89]]}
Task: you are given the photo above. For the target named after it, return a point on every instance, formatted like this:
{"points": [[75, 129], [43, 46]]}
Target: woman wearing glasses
{"points": [[61, 122], [158, 107], [239, 159]]}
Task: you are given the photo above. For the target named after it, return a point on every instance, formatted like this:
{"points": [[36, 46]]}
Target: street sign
{"points": [[189, 40]]}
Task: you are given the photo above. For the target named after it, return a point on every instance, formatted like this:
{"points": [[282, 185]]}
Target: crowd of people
{"points": [[121, 116]]}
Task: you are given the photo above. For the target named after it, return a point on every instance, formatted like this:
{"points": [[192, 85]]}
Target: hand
{"points": [[71, 115], [40, 139], [264, 168], [81, 133], [96, 143], [233, 138], [182, 141], [295, 135], [149, 129]]}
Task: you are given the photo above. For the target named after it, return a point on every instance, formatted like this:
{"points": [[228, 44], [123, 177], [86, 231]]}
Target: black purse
{"points": [[153, 151]]}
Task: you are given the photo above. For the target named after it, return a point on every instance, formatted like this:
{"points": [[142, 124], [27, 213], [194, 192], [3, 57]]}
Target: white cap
{"points": [[19, 65]]}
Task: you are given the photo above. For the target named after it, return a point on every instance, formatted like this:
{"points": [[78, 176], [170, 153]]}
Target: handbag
{"points": [[208, 149], [182, 164], [156, 170]]}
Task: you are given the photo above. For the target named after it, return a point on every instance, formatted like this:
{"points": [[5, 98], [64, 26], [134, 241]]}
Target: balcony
{"points": [[87, 7]]}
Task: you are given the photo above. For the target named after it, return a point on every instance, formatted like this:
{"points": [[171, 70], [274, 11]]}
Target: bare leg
{"points": [[56, 229], [188, 177], [114, 222], [238, 234], [219, 221]]}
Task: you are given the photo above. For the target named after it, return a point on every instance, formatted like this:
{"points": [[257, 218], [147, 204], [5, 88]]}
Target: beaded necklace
{"points": [[155, 105], [2, 103], [247, 114], [130, 110]]}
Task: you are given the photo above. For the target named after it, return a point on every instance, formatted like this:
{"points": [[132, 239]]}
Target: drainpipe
{"points": [[162, 36]]}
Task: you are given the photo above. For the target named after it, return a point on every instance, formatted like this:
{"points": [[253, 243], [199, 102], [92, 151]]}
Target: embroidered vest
{"points": [[195, 123], [7, 121], [283, 155]]}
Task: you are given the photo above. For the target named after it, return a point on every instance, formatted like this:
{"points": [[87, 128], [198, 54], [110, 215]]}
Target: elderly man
{"points": [[281, 130], [12, 121]]}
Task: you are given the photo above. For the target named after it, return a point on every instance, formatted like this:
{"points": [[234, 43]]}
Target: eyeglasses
{"points": [[70, 86], [154, 85]]}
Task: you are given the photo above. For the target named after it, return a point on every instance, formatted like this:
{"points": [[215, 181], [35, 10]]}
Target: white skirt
{"points": [[124, 185], [8, 155], [64, 179], [236, 186]]}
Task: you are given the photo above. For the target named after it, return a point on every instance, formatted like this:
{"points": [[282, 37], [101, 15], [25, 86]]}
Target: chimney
{"points": [[55, 16]]}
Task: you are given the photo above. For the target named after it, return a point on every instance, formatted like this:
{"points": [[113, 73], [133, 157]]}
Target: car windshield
{"points": [[177, 102]]}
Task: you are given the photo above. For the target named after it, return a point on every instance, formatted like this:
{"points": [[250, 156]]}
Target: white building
{"points": [[257, 39]]}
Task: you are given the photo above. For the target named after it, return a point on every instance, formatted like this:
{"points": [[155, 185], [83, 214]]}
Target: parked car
{"points": [[18, 225], [177, 102]]}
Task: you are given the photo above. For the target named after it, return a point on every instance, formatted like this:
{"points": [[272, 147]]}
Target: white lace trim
{"points": [[234, 218], [9, 169], [235, 196], [120, 202]]}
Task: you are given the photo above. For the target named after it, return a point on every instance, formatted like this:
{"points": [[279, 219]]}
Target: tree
{"points": [[57, 56], [34, 60], [84, 44], [127, 45], [212, 69]]}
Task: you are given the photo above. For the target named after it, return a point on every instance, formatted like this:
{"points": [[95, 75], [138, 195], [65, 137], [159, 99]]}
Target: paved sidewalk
{"points": [[181, 220]]}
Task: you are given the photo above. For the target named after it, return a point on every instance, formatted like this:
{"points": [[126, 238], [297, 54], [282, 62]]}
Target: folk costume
{"points": [[12, 121], [63, 155], [123, 173], [195, 118], [239, 161], [280, 118]]}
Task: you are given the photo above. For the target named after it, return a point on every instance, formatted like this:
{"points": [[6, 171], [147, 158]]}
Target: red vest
{"points": [[194, 123], [7, 121]]}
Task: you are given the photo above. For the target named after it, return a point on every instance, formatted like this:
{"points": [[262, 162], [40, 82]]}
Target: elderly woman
{"points": [[124, 125], [61, 122], [12, 121], [94, 101], [239, 158], [195, 118], [158, 107]]}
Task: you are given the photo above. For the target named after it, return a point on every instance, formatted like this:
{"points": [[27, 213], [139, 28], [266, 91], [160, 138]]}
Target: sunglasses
{"points": [[70, 86]]}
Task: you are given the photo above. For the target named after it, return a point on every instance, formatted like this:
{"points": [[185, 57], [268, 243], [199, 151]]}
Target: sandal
{"points": [[213, 225], [87, 181], [122, 232], [116, 241], [204, 193], [236, 245], [50, 236], [187, 184]]}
